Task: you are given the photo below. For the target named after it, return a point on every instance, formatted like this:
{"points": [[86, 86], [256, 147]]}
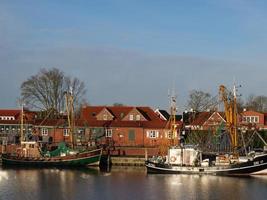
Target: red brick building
{"points": [[127, 126], [252, 119]]}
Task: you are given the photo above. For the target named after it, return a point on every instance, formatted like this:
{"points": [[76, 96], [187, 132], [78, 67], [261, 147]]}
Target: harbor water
{"points": [[123, 183]]}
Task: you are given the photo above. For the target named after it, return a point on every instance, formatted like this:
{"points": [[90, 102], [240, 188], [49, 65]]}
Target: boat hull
{"points": [[79, 160], [258, 164]]}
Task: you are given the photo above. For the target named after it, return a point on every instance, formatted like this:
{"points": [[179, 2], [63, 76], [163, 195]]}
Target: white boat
{"points": [[191, 160], [188, 160]]}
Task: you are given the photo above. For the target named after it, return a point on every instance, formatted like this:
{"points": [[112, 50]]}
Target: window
{"points": [[138, 117], [252, 119], [105, 117], [131, 117], [152, 134], [66, 132], [108, 132], [44, 131], [131, 135], [256, 119]]}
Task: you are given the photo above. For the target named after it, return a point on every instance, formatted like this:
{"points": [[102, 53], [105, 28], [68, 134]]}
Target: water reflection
{"points": [[3, 175], [124, 183]]}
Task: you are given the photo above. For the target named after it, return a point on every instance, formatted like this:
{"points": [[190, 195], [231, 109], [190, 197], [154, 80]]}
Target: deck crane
{"points": [[230, 108]]}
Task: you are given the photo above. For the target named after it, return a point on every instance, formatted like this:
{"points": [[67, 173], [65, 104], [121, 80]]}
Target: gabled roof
{"points": [[106, 110], [164, 114], [202, 117], [153, 121]]}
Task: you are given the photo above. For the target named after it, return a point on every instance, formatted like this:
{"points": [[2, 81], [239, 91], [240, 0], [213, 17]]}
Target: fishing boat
{"points": [[69, 159], [189, 159], [29, 153]]}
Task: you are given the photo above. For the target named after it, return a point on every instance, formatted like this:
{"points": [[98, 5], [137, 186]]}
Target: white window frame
{"points": [[108, 132], [138, 117], [153, 134], [66, 132], [44, 131], [252, 119], [131, 117]]}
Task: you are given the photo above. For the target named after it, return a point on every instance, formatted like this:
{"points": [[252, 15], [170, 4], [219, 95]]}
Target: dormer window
{"points": [[105, 117], [138, 117], [131, 117]]}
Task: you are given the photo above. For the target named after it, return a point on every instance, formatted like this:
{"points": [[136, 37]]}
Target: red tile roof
{"points": [[10, 112], [201, 118], [153, 121]]}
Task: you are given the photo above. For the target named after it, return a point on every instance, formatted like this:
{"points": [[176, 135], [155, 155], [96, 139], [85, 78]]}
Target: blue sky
{"points": [[134, 51]]}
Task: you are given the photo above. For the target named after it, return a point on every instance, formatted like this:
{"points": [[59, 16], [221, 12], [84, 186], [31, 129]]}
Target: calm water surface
{"points": [[124, 183]]}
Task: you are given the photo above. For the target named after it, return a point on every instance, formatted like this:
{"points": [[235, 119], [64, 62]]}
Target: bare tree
{"points": [[257, 103], [45, 90], [201, 101]]}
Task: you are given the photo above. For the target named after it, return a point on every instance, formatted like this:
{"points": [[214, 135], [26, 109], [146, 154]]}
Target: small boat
{"points": [[188, 159]]}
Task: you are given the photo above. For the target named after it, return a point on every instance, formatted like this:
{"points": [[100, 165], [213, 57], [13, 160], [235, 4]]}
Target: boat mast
{"points": [[230, 109], [172, 120], [235, 116], [70, 114], [21, 124]]}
